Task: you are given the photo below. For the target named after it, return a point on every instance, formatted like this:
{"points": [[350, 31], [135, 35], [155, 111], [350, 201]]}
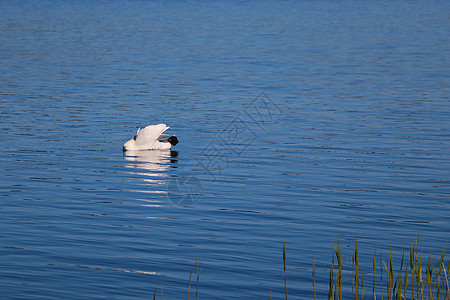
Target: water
{"points": [[298, 121]]}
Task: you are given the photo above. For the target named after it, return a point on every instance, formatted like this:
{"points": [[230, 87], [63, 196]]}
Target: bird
{"points": [[150, 138]]}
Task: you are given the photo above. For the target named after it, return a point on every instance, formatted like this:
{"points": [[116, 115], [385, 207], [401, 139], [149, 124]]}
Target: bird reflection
{"points": [[153, 167], [151, 160]]}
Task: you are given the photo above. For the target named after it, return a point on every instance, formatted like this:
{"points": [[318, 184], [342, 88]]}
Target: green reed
{"points": [[197, 271], [198, 277], [430, 282], [409, 280], [335, 282], [154, 294]]}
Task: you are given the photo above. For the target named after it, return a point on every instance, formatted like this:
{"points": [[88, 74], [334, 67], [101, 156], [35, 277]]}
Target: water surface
{"points": [[298, 121]]}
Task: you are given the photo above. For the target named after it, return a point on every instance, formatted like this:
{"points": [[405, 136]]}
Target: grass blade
{"points": [[284, 268]]}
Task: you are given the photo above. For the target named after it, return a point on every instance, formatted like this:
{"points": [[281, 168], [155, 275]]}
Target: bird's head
{"points": [[173, 140]]}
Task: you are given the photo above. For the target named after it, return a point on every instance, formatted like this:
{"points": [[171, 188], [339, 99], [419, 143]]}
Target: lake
{"points": [[300, 122]]}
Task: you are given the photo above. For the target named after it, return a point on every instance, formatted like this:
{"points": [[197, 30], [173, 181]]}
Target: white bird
{"points": [[149, 138]]}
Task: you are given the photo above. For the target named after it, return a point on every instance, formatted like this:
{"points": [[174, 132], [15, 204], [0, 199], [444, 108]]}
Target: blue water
{"points": [[302, 122]]}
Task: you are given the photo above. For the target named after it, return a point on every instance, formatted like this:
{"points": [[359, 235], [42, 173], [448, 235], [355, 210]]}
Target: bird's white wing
{"points": [[149, 134]]}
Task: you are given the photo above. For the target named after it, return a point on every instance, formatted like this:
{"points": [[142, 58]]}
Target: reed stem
{"points": [[284, 268]]}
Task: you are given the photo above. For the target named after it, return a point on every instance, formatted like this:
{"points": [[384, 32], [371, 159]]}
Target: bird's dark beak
{"points": [[173, 140]]}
